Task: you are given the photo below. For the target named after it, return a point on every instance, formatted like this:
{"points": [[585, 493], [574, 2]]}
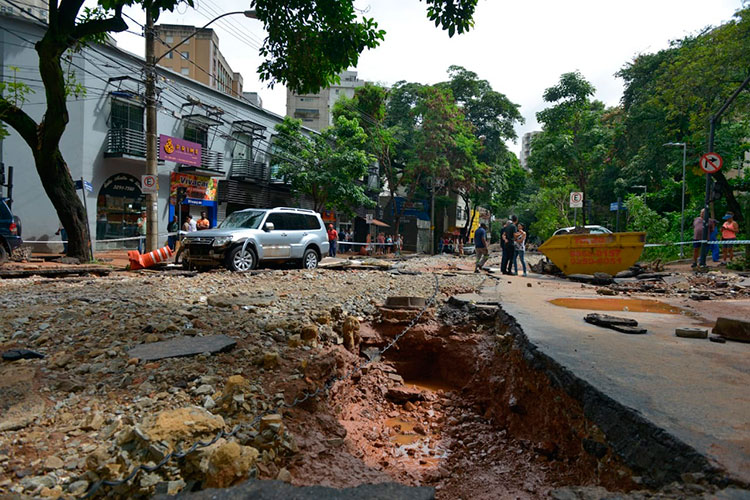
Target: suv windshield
{"points": [[245, 220]]}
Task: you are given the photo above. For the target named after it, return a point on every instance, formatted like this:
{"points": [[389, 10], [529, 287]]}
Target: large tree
{"points": [[327, 167], [574, 137], [309, 42]]}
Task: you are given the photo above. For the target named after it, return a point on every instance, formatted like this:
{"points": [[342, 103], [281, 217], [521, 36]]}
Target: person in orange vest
{"points": [[203, 222]]}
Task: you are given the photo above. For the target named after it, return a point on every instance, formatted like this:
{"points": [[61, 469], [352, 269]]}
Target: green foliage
{"points": [[15, 93], [327, 167], [453, 15], [550, 206], [642, 218]]}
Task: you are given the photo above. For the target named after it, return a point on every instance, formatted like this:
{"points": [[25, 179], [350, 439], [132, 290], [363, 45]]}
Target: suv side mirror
{"points": [[268, 227]]}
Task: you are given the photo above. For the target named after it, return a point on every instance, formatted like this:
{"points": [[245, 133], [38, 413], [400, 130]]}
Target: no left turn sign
{"points": [[711, 163]]}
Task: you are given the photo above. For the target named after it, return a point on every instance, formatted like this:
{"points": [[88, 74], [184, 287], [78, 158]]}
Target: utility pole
{"points": [[152, 209]]}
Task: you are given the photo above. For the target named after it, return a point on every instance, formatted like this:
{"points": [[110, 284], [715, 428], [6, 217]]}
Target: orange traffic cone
{"points": [[138, 261]]}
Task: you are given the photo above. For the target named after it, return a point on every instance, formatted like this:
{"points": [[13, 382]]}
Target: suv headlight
{"points": [[222, 241]]}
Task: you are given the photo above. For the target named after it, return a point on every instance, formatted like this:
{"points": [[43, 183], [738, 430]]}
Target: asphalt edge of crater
{"points": [[650, 451]]}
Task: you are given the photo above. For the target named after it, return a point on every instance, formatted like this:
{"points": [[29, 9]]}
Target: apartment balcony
{"points": [[212, 164], [125, 142], [245, 169]]}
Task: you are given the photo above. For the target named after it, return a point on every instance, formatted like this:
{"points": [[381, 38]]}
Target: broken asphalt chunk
{"points": [[691, 333], [182, 346], [623, 325], [16, 354], [733, 329]]}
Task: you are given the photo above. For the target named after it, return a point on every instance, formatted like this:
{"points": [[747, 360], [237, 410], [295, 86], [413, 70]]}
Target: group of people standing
{"points": [[385, 244], [513, 243], [729, 231], [189, 226]]}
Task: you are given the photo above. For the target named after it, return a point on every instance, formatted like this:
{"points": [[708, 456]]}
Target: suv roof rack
{"points": [[295, 209]]}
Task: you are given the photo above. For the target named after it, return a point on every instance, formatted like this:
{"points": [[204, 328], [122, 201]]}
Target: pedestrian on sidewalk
{"points": [[63, 236], [142, 223], [508, 238], [729, 231], [203, 222], [333, 238], [519, 249], [172, 238], [480, 243]]}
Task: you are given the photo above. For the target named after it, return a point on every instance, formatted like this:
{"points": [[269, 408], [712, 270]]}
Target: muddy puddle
{"points": [[631, 305]]}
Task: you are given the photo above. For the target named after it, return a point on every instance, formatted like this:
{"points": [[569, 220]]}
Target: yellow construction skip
{"points": [[594, 253]]}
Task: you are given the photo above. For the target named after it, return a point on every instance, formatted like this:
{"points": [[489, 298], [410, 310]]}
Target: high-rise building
{"points": [[523, 158], [315, 109], [199, 58], [36, 10]]}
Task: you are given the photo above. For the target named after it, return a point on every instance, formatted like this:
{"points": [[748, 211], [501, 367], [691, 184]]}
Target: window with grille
{"points": [[197, 134], [126, 115]]}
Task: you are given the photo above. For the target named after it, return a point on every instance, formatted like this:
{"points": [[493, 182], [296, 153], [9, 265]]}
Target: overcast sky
{"points": [[520, 47]]}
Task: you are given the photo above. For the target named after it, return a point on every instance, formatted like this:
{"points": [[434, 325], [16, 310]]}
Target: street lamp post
{"points": [[152, 212], [682, 211]]}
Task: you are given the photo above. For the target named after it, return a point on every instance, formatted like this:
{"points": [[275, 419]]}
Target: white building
{"points": [[104, 143], [526, 148]]}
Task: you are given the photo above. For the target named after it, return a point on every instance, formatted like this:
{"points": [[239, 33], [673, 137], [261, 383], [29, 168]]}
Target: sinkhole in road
{"points": [[455, 405]]}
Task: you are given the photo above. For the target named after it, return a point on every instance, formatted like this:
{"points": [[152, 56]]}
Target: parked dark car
{"points": [[10, 231]]}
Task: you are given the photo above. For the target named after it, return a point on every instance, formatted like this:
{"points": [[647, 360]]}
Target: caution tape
{"points": [[710, 242]]}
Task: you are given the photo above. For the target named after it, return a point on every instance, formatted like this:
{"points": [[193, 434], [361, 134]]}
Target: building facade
{"points": [[523, 158], [230, 140], [315, 109], [199, 58], [37, 10]]}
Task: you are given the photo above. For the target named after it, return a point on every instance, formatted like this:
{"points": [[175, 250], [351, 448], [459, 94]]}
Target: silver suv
{"points": [[250, 236]]}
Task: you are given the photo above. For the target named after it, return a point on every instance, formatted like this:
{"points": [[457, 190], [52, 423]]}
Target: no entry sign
{"points": [[711, 163]]}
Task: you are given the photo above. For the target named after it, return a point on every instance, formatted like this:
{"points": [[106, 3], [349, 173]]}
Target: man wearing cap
{"points": [[729, 231], [333, 238]]}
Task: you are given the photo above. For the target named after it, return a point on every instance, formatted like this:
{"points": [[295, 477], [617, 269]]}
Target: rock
{"points": [[230, 463], [151, 338], [581, 278], [309, 334], [717, 339], [605, 291], [691, 333], [284, 475], [733, 329], [700, 296], [52, 462], [294, 341], [183, 425], [209, 403], [273, 422], [271, 359], [350, 331], [204, 389], [608, 321], [602, 279], [402, 394], [323, 318], [93, 422], [55, 492], [409, 406], [595, 448], [78, 488], [37, 482]]}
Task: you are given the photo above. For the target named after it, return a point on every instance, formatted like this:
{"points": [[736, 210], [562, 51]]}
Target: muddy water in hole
{"points": [[632, 305]]}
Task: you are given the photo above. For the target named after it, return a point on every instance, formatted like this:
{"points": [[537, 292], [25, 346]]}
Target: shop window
{"points": [[118, 207]]}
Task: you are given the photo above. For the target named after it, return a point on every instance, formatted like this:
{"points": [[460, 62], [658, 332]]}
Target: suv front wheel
{"points": [[3, 252], [240, 261], [310, 259]]}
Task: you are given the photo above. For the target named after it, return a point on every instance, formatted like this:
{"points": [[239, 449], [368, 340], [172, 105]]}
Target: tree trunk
{"points": [[726, 189], [59, 186]]}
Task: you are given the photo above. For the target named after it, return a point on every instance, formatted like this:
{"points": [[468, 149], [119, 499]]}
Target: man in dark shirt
{"points": [[480, 244], [507, 238]]}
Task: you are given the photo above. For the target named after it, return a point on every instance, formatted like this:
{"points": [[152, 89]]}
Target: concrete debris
{"points": [[691, 333], [733, 329], [182, 346]]}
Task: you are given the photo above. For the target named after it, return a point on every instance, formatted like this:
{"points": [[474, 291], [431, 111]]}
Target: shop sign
{"points": [[197, 187], [121, 185], [179, 150], [328, 216]]}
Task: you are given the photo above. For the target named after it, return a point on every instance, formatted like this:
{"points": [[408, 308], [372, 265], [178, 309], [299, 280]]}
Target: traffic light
{"points": [[181, 194]]}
